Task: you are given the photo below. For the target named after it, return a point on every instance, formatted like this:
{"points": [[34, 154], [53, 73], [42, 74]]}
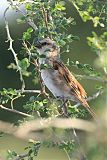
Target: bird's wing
{"points": [[75, 86]]}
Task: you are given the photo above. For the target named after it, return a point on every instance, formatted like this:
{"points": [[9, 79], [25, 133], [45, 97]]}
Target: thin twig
{"points": [[35, 62], [105, 71], [10, 40], [45, 16], [15, 111], [94, 96], [21, 156], [67, 154], [92, 78], [28, 19], [77, 140], [29, 91]]}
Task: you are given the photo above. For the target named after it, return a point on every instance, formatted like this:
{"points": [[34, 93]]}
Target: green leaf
{"points": [[67, 145], [96, 21], [11, 154], [85, 15], [28, 6], [102, 24], [13, 66], [30, 30], [59, 7], [24, 63], [26, 36], [20, 21]]}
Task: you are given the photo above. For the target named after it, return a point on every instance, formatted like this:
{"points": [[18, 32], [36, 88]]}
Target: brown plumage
{"points": [[76, 88], [58, 79]]}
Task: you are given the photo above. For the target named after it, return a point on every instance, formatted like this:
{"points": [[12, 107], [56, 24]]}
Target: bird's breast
{"points": [[55, 83]]}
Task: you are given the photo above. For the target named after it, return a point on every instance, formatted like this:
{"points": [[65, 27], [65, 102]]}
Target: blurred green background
{"points": [[79, 51]]}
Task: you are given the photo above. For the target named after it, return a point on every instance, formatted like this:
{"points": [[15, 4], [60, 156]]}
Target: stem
{"points": [[94, 96], [21, 156], [15, 111], [10, 40], [92, 78], [67, 154], [29, 91]]}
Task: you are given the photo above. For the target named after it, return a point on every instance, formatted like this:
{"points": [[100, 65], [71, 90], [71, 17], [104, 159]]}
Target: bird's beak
{"points": [[38, 44]]}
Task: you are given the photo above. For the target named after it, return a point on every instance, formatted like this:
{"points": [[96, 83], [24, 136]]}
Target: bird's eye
{"points": [[44, 43]]}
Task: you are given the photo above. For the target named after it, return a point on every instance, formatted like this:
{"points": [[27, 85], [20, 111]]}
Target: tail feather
{"points": [[90, 110]]}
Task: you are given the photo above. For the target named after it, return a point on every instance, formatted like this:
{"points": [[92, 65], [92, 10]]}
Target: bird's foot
{"points": [[64, 109], [44, 93]]}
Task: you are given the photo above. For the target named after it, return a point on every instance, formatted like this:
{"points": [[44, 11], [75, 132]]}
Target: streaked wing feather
{"points": [[76, 87]]}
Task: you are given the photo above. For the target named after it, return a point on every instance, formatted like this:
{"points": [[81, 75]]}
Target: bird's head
{"points": [[47, 47]]}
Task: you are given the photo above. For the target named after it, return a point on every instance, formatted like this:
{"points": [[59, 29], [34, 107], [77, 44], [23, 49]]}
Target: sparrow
{"points": [[57, 77]]}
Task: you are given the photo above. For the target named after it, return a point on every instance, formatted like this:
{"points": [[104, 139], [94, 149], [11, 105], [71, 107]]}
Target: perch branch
{"points": [[15, 111], [38, 69]]}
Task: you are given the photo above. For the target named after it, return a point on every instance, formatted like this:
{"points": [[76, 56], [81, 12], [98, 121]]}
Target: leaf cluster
{"points": [[9, 95], [48, 15], [94, 10], [86, 68], [52, 21], [99, 46]]}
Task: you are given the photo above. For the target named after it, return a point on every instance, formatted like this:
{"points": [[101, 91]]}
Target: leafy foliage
{"points": [[9, 95], [95, 10], [33, 149], [11, 154], [51, 21], [99, 45], [86, 68], [68, 146]]}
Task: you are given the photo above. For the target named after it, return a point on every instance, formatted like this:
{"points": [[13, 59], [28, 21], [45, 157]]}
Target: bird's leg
{"points": [[64, 107]]}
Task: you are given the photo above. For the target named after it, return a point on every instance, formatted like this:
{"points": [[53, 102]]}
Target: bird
{"points": [[57, 77]]}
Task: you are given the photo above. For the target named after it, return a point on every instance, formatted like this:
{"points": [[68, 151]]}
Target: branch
{"points": [[30, 22], [10, 40], [30, 129], [21, 156], [45, 16], [94, 96], [35, 63], [27, 128], [92, 78], [105, 71], [28, 19], [29, 91], [15, 111]]}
